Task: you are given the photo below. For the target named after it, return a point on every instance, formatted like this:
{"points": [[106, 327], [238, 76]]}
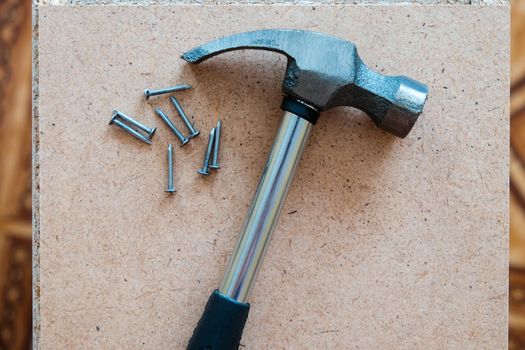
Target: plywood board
{"points": [[384, 243]]}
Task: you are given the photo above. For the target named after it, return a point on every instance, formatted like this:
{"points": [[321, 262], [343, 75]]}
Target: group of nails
{"points": [[145, 134]]}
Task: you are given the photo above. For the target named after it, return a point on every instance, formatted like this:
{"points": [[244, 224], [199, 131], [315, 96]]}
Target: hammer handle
{"points": [[266, 206], [222, 323]]}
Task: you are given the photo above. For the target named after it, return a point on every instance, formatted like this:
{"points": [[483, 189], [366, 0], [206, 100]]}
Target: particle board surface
{"points": [[383, 242]]}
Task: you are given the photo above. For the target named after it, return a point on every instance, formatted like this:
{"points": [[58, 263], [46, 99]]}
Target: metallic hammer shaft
{"points": [[266, 206]]}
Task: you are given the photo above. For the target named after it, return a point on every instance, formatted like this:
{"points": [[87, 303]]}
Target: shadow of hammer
{"points": [[322, 72]]}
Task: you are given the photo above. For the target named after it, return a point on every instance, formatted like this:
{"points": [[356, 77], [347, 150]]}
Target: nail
{"points": [[190, 127], [172, 126], [205, 165], [215, 162], [129, 130], [149, 131], [170, 187], [150, 93]]}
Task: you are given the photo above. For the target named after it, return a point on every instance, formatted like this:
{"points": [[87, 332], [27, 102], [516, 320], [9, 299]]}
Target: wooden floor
{"points": [[517, 179], [15, 174]]}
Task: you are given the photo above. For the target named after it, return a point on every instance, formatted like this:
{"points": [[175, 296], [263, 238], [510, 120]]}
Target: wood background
{"points": [[15, 175], [517, 193], [394, 261]]}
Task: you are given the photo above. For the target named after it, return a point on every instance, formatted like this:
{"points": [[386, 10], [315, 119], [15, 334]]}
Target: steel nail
{"points": [[129, 130], [170, 187], [149, 131], [148, 93], [185, 119], [205, 165], [184, 140], [215, 162]]}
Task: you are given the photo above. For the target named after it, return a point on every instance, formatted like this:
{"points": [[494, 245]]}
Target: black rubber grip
{"points": [[300, 109], [221, 324]]}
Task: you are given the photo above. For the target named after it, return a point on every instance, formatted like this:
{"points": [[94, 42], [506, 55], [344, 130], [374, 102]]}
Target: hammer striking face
{"points": [[322, 72]]}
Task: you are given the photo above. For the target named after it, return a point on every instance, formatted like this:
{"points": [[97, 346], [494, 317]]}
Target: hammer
{"points": [[322, 72]]}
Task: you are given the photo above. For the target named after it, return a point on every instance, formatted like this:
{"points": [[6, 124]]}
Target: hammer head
{"points": [[324, 72]]}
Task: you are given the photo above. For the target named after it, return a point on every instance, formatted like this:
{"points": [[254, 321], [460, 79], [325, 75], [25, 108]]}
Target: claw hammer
{"points": [[322, 72]]}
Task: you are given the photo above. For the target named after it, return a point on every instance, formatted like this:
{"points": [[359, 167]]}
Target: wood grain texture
{"points": [[15, 175], [384, 243], [517, 71], [517, 177], [517, 48]]}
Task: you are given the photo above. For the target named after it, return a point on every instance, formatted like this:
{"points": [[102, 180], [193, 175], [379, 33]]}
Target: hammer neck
{"points": [[300, 109]]}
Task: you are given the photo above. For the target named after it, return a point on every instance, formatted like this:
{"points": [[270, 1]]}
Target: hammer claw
{"points": [[267, 39]]}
